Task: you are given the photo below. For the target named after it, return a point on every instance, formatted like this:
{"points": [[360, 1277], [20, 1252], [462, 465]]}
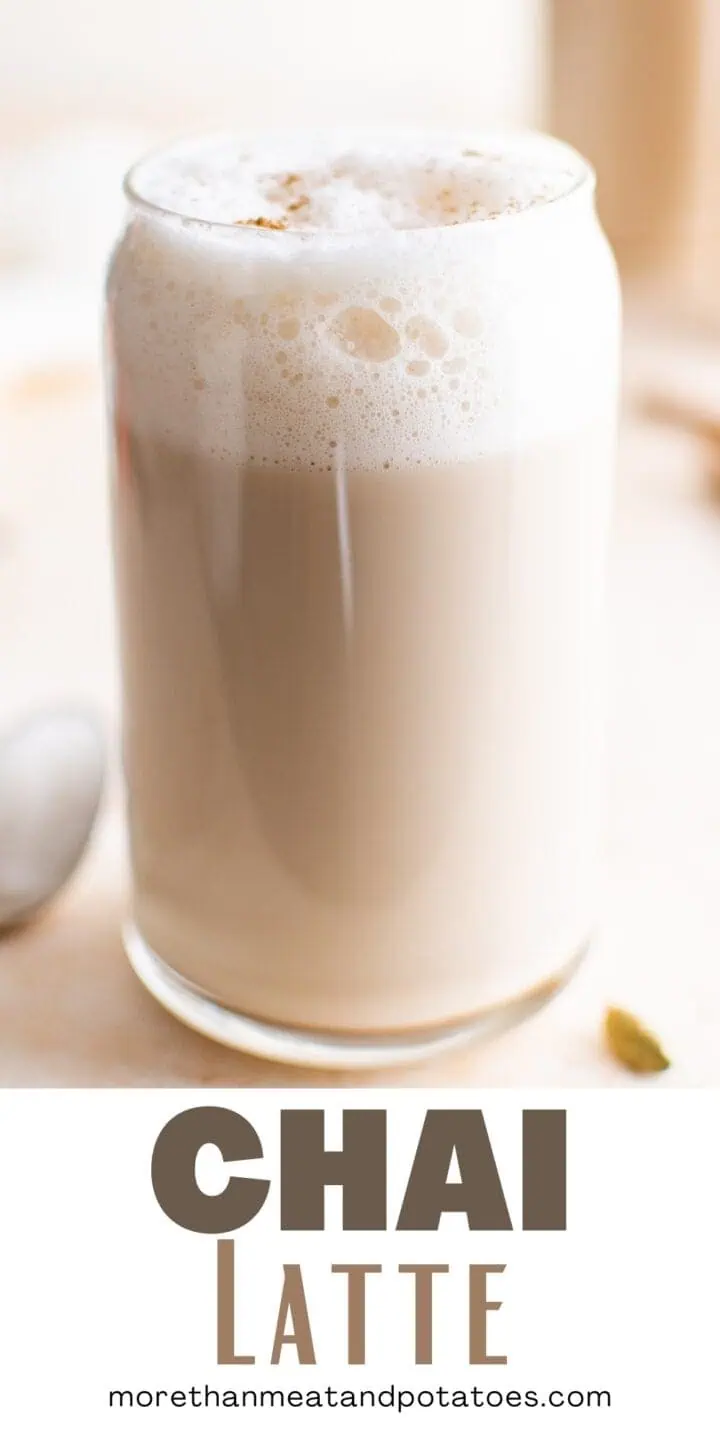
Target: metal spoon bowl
{"points": [[52, 767]]}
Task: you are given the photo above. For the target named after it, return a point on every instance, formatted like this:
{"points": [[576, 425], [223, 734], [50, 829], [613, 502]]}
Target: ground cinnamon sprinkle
{"points": [[299, 204], [263, 223]]}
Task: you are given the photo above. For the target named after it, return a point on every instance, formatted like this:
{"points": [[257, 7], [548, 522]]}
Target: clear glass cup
{"points": [[362, 488]]}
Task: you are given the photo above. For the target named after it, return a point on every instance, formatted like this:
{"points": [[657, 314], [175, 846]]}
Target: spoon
{"points": [[51, 778]]}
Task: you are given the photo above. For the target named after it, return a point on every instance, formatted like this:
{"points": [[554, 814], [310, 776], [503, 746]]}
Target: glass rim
{"points": [[524, 146]]}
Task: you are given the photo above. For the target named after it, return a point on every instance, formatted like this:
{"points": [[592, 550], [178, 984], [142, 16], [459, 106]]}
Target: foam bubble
{"points": [[425, 303]]}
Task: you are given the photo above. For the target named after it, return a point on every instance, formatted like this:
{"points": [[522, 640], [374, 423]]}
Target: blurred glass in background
{"points": [[636, 86]]}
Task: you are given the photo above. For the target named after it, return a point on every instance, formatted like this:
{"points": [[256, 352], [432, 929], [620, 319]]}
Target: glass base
{"points": [[324, 1050]]}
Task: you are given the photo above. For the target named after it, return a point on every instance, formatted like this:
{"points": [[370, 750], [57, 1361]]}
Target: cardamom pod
{"points": [[632, 1045]]}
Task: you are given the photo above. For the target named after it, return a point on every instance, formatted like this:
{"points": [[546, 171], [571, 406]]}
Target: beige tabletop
{"points": [[71, 1011]]}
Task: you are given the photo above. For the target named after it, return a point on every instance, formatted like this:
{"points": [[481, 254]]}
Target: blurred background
{"points": [[635, 84]]}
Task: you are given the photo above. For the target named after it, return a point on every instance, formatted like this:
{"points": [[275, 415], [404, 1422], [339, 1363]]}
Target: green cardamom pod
{"points": [[632, 1045]]}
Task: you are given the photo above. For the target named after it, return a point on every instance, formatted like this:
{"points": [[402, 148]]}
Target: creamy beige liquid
{"points": [[363, 725]]}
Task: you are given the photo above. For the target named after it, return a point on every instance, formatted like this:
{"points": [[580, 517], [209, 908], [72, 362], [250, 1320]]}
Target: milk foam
{"points": [[393, 184], [379, 305]]}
